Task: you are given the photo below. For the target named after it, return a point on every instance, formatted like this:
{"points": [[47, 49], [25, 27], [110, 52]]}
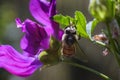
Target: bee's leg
{"points": [[78, 37]]}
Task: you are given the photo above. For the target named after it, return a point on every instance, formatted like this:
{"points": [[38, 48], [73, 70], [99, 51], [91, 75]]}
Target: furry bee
{"points": [[68, 39]]}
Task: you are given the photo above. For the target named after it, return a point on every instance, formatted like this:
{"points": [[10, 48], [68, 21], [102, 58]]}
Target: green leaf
{"points": [[71, 20], [90, 27], [81, 24], [63, 20], [80, 18]]}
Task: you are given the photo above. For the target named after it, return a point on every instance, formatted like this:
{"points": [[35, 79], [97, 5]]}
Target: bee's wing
{"points": [[80, 54]]}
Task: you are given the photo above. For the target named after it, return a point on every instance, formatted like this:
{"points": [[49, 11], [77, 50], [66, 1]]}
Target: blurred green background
{"points": [[9, 34]]}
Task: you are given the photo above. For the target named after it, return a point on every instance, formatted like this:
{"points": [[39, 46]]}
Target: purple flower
{"points": [[42, 11], [35, 40], [16, 63]]}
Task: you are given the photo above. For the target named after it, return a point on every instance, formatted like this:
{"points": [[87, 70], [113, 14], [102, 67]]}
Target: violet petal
{"points": [[52, 9], [40, 11], [16, 63], [34, 39]]}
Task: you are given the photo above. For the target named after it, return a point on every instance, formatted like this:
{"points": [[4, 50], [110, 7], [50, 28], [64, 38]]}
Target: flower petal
{"points": [[40, 11], [35, 38], [20, 24], [56, 31], [60, 34], [16, 63], [52, 9]]}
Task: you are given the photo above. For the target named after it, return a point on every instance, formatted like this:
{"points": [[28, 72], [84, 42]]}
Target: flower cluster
{"points": [[36, 39]]}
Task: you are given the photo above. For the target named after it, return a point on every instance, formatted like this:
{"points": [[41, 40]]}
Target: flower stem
{"points": [[89, 69], [112, 46]]}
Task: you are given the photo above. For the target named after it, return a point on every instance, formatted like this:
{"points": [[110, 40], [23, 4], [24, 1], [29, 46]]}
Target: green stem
{"points": [[100, 43], [89, 69], [112, 46]]}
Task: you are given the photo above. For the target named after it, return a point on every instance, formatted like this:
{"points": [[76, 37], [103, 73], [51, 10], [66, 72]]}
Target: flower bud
{"points": [[51, 56], [100, 37], [117, 8], [103, 10]]}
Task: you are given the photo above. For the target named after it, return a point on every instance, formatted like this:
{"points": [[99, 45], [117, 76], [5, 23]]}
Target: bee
{"points": [[70, 45]]}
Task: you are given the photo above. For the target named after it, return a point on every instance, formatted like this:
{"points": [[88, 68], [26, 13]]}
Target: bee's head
{"points": [[70, 30]]}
